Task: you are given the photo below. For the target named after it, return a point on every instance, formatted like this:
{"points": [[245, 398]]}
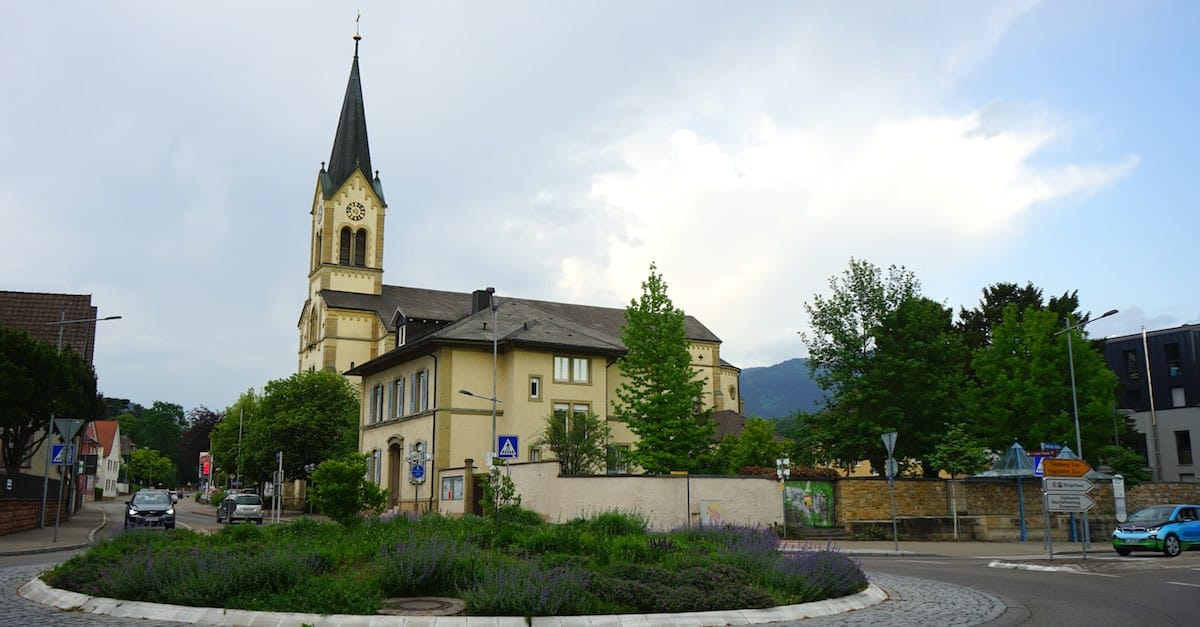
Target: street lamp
{"points": [[61, 322], [491, 291], [1087, 537]]}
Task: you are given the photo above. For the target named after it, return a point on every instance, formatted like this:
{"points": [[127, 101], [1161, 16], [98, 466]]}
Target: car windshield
{"points": [[150, 498], [1152, 514], [248, 499]]}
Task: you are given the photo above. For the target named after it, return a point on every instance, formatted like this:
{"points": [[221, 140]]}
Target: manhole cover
{"points": [[421, 606]]}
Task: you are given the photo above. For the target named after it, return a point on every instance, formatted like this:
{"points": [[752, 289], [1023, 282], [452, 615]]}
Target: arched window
{"points": [[360, 248], [317, 253], [344, 252]]}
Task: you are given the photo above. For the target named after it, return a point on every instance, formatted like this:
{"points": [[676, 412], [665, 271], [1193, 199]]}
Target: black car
{"points": [[150, 508]]}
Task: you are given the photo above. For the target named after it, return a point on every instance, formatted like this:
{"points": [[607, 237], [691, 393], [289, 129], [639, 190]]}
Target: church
{"points": [[452, 376]]}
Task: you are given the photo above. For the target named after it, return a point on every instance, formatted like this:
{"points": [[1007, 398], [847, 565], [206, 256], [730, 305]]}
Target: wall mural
{"points": [[808, 503]]}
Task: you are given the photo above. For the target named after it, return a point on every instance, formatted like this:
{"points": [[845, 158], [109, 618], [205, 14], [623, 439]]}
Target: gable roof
{"points": [[106, 433], [35, 313], [519, 322]]}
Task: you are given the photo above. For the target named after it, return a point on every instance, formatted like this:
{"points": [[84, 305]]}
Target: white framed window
{"points": [[571, 369], [535, 453], [567, 411], [535, 387], [377, 463], [398, 397], [376, 404], [423, 389]]}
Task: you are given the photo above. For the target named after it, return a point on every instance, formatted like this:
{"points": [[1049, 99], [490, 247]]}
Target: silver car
{"points": [[240, 507]]}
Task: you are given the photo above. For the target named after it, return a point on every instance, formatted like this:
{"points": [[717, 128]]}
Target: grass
{"points": [[607, 564]]}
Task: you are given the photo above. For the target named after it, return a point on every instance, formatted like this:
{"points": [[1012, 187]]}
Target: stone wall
{"points": [[17, 515]]}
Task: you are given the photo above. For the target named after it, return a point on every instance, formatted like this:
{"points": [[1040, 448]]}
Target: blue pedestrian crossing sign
{"points": [[58, 454], [508, 447], [1038, 471]]}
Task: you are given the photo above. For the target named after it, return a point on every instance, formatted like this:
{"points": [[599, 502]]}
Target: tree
{"points": [[1124, 462], [194, 440], [151, 468], [660, 396], [1025, 388], [957, 452], [916, 380], [756, 445], [841, 345], [310, 416], [578, 440], [341, 491], [976, 324], [157, 427], [36, 382]]}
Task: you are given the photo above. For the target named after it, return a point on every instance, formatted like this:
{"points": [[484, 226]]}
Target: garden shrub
{"points": [[528, 589]]}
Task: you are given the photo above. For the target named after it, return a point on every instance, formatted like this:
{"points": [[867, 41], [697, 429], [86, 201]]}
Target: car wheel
{"points": [[1171, 546], [258, 521], [170, 526], [1124, 552]]}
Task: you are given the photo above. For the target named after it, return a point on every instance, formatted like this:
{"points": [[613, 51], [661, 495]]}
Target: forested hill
{"points": [[781, 390]]}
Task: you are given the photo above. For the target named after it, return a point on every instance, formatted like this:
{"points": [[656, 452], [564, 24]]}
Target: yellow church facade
{"points": [[432, 363]]}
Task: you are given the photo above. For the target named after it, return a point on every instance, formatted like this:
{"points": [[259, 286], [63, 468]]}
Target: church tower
{"points": [[338, 327]]}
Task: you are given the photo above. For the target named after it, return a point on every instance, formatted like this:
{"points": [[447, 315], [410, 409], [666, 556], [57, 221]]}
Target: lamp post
{"points": [[1087, 537], [61, 322]]}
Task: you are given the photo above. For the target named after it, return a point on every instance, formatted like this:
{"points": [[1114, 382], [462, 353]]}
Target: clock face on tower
{"points": [[356, 211]]}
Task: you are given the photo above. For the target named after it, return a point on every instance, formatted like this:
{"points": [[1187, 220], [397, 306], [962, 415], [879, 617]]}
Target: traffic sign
{"points": [[508, 447], [58, 454], [1065, 467], [1068, 502], [418, 473], [1067, 485]]}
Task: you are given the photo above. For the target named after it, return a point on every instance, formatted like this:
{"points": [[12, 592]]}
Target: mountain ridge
{"points": [[781, 390]]}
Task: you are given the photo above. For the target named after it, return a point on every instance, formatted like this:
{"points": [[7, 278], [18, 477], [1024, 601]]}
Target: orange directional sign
{"points": [[1065, 467]]}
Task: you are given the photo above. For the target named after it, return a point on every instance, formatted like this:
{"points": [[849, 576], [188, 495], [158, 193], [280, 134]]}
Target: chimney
{"points": [[482, 299]]}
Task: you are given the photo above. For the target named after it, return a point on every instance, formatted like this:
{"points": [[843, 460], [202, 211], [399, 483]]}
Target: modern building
{"points": [[444, 371], [1158, 376]]}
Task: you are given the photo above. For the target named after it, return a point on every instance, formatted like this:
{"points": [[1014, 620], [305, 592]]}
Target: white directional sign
{"points": [[1070, 485], [1068, 502]]}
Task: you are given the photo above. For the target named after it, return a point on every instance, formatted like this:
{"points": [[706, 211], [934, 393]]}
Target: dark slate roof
{"points": [[525, 322], [32, 312], [351, 150]]}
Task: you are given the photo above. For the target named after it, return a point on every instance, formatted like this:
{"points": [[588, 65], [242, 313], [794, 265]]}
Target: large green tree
{"points": [[661, 393], [150, 468], [310, 417], [578, 441], [1025, 387], [976, 324], [159, 427], [36, 381], [841, 344], [916, 380]]}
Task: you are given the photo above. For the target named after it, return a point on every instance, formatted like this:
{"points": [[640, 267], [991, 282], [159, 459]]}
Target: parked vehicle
{"points": [[150, 508], [235, 507], [1171, 529]]}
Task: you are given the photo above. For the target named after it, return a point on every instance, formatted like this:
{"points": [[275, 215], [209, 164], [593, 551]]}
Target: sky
{"points": [[162, 157]]}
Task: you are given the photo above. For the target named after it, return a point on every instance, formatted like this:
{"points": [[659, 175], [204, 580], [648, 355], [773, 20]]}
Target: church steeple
{"points": [[351, 150]]}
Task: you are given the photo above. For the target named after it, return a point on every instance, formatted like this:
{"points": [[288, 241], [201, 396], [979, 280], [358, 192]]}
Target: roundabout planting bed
{"points": [[608, 564]]}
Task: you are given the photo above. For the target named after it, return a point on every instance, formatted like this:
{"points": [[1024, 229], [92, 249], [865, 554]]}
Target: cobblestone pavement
{"points": [[912, 602], [918, 602], [15, 610]]}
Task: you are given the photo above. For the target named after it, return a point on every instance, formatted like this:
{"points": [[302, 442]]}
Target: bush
{"points": [[608, 564]]}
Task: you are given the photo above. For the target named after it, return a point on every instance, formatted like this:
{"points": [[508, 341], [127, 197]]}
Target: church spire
{"points": [[351, 150]]}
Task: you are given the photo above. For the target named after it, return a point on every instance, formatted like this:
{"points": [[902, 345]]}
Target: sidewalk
{"points": [[73, 534]]}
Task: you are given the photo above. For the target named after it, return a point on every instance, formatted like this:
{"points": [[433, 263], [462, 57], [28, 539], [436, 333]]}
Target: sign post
{"points": [[1118, 487], [1065, 488], [889, 443]]}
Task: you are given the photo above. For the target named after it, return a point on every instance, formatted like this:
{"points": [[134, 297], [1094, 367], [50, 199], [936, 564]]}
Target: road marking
{"points": [[1069, 568], [923, 562], [1190, 585]]}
